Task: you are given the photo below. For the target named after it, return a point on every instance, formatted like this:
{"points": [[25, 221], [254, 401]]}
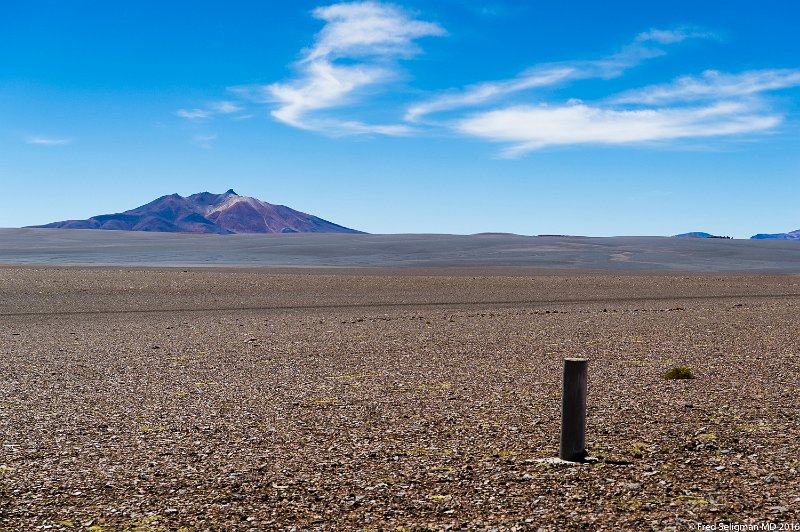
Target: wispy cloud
{"points": [[483, 92], [528, 128], [326, 85], [213, 108], [709, 106], [366, 29], [47, 141], [225, 107], [713, 85], [205, 141], [355, 57], [551, 74], [199, 117], [675, 35], [369, 37], [193, 114]]}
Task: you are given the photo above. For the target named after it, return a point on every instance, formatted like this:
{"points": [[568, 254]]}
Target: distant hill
{"points": [[792, 235], [699, 234], [694, 234], [204, 212]]}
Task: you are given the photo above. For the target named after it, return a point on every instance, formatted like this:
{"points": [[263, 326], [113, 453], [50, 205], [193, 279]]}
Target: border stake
{"points": [[573, 410]]}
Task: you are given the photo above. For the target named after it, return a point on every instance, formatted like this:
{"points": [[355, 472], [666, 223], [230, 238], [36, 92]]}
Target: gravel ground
{"points": [[161, 399]]}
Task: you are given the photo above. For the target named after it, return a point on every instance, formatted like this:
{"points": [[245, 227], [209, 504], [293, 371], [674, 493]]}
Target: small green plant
{"points": [[679, 372]]}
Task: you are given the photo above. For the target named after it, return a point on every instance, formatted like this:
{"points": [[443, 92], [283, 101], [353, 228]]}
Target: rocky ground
{"points": [[167, 399]]}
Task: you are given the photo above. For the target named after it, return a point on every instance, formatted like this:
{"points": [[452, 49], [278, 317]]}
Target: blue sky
{"points": [[592, 118]]}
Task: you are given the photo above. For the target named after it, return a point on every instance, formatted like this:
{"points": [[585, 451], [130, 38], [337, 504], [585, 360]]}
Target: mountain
{"points": [[208, 213], [792, 235]]}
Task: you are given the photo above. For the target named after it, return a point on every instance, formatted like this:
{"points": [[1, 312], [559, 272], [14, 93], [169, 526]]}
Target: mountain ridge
{"points": [[791, 235], [205, 212]]}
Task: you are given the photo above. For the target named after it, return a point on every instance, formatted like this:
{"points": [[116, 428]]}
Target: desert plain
{"points": [[393, 382], [187, 398]]}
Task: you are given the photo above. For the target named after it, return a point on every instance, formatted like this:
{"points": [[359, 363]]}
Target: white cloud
{"points": [[253, 93], [529, 128], [47, 141], [552, 74], [204, 141], [371, 36], [213, 108], [326, 85], [483, 92], [193, 114], [674, 35], [713, 85], [731, 104], [356, 53], [225, 107], [360, 29], [338, 128]]}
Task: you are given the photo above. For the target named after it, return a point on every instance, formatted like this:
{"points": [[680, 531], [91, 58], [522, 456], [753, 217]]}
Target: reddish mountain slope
{"points": [[208, 213]]}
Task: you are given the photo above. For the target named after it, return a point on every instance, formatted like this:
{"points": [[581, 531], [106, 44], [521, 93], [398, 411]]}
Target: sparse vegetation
{"points": [[679, 372]]}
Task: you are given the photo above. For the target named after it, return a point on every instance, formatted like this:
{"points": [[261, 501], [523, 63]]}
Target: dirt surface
{"points": [[155, 399]]}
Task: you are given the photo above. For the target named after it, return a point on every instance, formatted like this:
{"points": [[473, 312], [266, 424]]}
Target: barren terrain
{"points": [[244, 399], [624, 253]]}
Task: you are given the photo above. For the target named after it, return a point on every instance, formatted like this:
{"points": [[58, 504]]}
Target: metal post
{"points": [[573, 410]]}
